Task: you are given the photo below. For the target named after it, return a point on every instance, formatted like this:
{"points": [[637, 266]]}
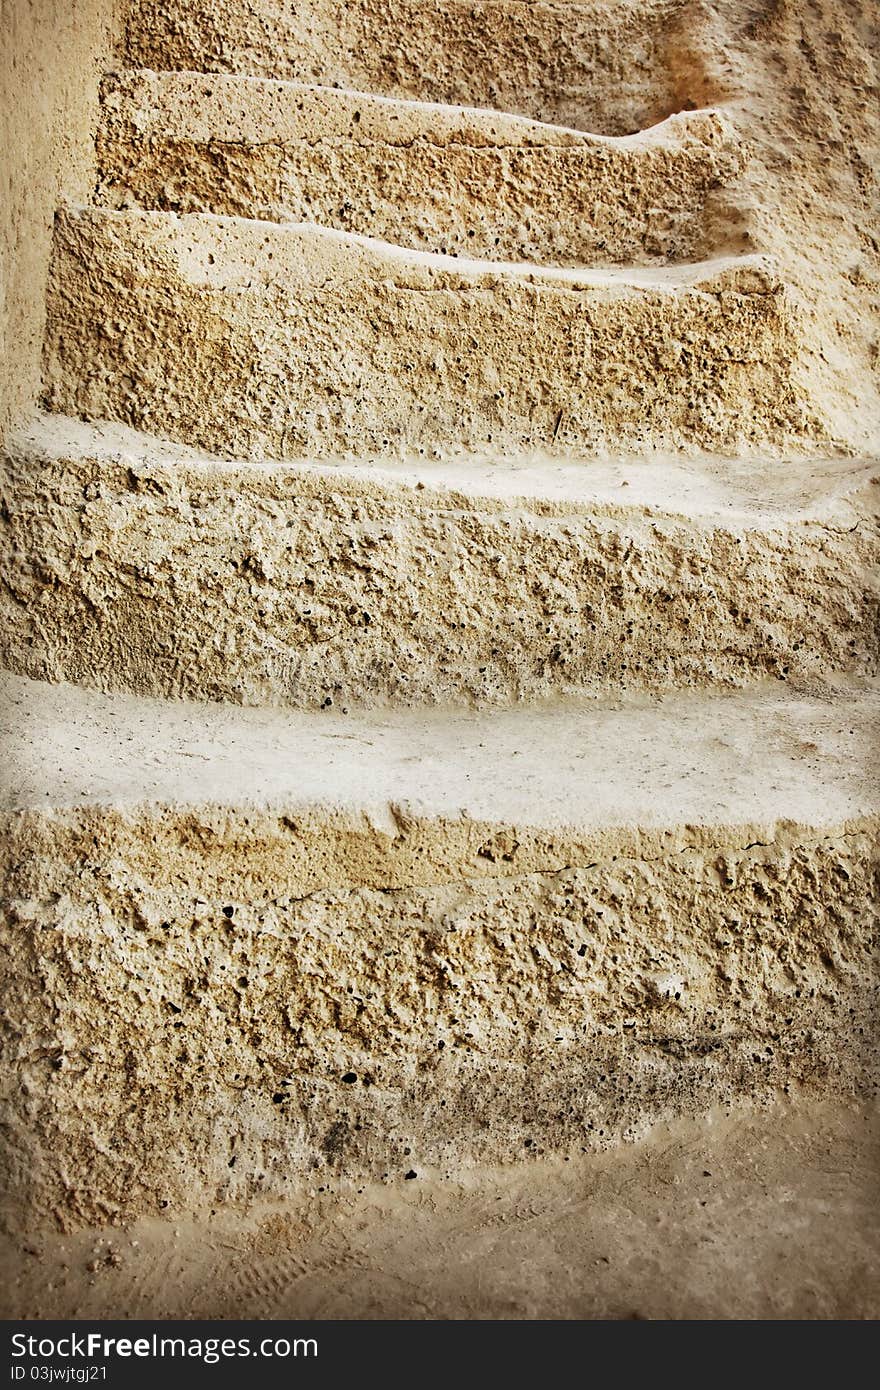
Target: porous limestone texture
{"points": [[246, 950], [430, 177], [242, 947], [798, 79], [802, 86], [608, 65], [253, 338], [51, 58], [137, 565]]}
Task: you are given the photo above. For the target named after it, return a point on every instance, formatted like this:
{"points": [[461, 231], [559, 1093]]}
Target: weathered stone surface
{"points": [[135, 565], [252, 338], [596, 65], [308, 941], [766, 1212], [429, 177], [51, 59], [243, 945]]}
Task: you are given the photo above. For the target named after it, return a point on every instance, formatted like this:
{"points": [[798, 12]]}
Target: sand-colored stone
{"points": [[252, 338], [612, 67], [735, 1215], [803, 89], [136, 565], [798, 78], [231, 915], [51, 58], [426, 176], [251, 952]]}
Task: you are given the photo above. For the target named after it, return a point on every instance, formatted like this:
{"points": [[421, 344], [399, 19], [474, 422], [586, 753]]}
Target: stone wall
{"points": [[52, 54]]}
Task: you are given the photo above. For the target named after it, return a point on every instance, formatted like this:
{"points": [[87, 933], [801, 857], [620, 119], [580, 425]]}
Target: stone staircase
{"points": [[469, 612]]}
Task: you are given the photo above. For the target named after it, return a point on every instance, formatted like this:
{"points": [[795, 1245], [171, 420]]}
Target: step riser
{"points": [[302, 587], [186, 328], [571, 64], [553, 993], [496, 204], [177, 145]]}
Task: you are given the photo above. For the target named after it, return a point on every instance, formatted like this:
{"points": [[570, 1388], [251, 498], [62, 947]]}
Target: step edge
{"points": [[645, 740], [749, 273], [679, 129], [587, 489]]}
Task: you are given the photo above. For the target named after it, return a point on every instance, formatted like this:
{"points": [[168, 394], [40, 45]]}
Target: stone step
{"points": [[253, 338], [138, 565], [313, 943], [429, 177], [574, 62]]}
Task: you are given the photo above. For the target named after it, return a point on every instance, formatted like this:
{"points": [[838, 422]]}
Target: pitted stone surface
{"points": [[136, 565], [596, 65], [245, 949], [252, 338], [426, 176], [332, 937]]}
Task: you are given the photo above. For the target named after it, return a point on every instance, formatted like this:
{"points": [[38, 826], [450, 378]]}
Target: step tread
{"points": [[708, 490], [685, 1223], [140, 565], [234, 253], [292, 339], [423, 175], [695, 764], [701, 1233], [233, 107]]}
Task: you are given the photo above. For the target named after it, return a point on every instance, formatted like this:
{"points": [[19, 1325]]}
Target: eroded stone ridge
{"points": [[242, 945], [586, 63]]}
